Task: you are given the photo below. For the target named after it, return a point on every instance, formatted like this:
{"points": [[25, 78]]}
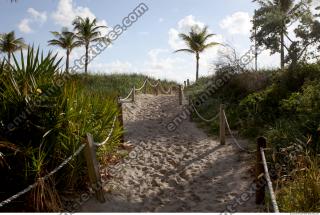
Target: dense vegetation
{"points": [[283, 106]]}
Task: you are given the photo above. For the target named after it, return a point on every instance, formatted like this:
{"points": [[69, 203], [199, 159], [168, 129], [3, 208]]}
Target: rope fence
{"points": [[262, 171], [263, 179], [269, 182], [110, 133], [157, 86], [64, 163], [201, 117]]}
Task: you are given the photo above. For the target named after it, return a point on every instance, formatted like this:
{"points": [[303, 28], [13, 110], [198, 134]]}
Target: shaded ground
{"points": [[180, 171]]}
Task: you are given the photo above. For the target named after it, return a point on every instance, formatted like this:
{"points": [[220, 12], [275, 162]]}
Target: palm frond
{"points": [[185, 50]]}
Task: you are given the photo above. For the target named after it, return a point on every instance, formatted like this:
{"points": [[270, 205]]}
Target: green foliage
{"points": [[43, 122]]}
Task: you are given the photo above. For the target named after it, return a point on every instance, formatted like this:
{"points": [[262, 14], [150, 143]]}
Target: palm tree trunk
{"points": [[282, 48], [9, 57], [86, 62], [67, 61], [197, 70]]}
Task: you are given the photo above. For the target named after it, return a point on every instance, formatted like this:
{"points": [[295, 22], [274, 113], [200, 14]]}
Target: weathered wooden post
{"points": [[93, 168], [260, 178], [145, 87], [133, 93], [180, 94], [158, 88], [190, 106], [120, 119], [170, 90], [222, 126], [188, 82]]}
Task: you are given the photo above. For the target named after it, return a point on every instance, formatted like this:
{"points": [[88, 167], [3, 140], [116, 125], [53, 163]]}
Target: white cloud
{"points": [[34, 18], [67, 11], [36, 15], [24, 26], [174, 41], [237, 23], [187, 22], [163, 64]]}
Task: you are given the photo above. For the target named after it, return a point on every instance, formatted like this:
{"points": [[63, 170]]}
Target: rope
{"points": [[267, 176], [109, 135], [30, 187], [154, 85], [127, 96], [165, 92], [234, 139], [206, 120], [144, 83]]}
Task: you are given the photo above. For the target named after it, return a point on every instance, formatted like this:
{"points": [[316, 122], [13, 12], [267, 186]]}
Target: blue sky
{"points": [[148, 45]]}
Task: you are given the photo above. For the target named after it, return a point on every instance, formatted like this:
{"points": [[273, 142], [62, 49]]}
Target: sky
{"points": [[148, 45]]}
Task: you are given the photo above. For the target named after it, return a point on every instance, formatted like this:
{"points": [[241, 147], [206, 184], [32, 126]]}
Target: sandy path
{"points": [[180, 171]]}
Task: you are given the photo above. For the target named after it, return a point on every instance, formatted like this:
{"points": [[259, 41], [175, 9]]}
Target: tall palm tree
{"points": [[9, 44], [66, 40], [87, 31], [197, 42]]}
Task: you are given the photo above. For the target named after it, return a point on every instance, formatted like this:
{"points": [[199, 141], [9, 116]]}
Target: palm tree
{"points": [[87, 32], [9, 44], [197, 42], [66, 40]]}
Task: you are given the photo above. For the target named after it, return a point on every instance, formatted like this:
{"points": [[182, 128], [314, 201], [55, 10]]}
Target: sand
{"points": [[179, 171]]}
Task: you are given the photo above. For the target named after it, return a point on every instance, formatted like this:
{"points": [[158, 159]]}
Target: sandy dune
{"points": [[180, 171]]}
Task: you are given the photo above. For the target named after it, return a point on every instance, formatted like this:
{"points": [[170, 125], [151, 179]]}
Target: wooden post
{"points": [[260, 179], [120, 118], [133, 93], [188, 82], [158, 88], [93, 169], [185, 83], [180, 94], [170, 90], [222, 126], [191, 107], [145, 88]]}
